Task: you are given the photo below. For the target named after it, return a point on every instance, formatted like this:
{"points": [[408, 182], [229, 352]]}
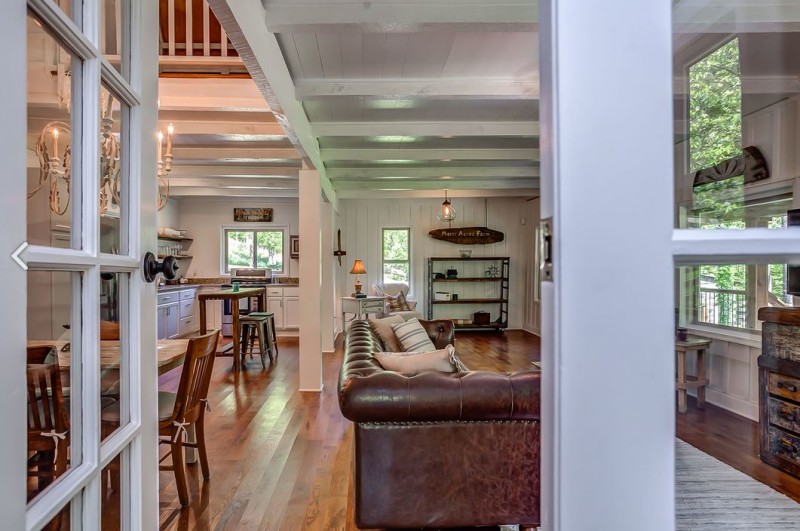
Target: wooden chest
{"points": [[779, 389]]}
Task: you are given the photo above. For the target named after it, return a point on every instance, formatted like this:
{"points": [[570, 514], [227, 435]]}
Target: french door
{"points": [[633, 133], [78, 148]]}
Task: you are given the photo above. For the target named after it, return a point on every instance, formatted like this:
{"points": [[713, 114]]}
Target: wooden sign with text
{"points": [[252, 215], [468, 235]]}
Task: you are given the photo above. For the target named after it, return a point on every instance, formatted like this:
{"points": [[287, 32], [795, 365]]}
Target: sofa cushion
{"points": [[413, 337], [383, 329], [416, 362]]}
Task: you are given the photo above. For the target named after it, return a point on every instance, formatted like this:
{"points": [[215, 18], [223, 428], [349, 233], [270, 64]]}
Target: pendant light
{"points": [[446, 211]]}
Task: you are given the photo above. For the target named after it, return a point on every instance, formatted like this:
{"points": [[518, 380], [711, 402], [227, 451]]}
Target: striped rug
{"points": [[711, 495]]}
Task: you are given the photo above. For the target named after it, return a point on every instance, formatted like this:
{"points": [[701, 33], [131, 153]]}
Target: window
{"points": [[254, 248], [396, 256]]}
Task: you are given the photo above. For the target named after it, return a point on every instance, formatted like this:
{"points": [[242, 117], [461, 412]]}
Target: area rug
{"points": [[710, 495]]}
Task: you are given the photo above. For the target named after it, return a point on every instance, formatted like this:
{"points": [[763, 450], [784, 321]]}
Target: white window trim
{"points": [[410, 255], [254, 226]]}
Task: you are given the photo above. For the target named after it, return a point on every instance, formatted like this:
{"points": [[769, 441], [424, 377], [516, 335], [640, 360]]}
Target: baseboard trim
{"points": [[312, 390], [743, 408], [328, 351]]}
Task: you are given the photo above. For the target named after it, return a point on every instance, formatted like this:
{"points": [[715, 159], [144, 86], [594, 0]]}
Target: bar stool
{"points": [[271, 335], [261, 325]]}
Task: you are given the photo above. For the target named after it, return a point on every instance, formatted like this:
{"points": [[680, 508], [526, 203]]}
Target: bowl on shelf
{"points": [[465, 253]]}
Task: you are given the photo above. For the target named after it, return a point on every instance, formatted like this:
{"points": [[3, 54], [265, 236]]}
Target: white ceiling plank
{"points": [[374, 17], [427, 54], [457, 172], [322, 129], [352, 46], [480, 88], [736, 16], [186, 126], [243, 21], [308, 51], [210, 182], [330, 52], [373, 55], [364, 193], [231, 192], [210, 94], [395, 55], [430, 154]]}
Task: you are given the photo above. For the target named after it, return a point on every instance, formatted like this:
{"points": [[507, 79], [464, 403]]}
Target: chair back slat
{"points": [[195, 377], [46, 406]]}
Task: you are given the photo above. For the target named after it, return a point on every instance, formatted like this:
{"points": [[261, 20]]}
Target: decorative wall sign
{"points": [[252, 215], [468, 235], [751, 163], [294, 246]]}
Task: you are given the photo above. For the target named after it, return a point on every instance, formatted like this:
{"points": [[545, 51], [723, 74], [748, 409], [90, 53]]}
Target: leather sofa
{"points": [[437, 449]]}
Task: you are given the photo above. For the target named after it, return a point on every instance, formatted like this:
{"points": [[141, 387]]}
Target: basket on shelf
{"points": [[480, 318]]}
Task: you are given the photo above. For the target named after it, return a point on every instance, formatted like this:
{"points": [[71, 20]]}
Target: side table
{"points": [[699, 382], [361, 306]]}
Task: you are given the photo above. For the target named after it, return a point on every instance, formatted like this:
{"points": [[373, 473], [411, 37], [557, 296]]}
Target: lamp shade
{"points": [[358, 268]]}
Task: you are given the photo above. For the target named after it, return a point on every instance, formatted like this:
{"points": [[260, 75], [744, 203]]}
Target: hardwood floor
{"points": [[733, 440], [281, 459]]}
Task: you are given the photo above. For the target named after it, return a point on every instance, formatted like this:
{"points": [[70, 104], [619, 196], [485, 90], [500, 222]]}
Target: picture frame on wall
{"points": [[294, 246]]}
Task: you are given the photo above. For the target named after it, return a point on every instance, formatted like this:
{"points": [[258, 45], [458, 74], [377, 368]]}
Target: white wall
{"points": [[361, 222], [169, 216], [204, 217]]}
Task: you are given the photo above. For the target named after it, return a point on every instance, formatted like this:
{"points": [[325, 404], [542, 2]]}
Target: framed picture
{"points": [[294, 246], [252, 215]]}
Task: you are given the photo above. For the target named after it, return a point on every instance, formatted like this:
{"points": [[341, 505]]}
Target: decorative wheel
{"points": [[492, 272]]}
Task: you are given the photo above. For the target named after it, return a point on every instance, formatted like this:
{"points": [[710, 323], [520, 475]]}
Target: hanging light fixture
{"points": [[446, 211]]}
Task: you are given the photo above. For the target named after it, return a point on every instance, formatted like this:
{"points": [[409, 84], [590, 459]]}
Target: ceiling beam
{"points": [[429, 154], [322, 129], [251, 183], [227, 192], [457, 172], [519, 193], [187, 126], [233, 171], [243, 21], [739, 16], [185, 153], [209, 94], [462, 88], [427, 184], [385, 17]]}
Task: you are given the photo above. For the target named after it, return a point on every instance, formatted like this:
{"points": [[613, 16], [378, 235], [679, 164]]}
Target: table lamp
{"points": [[358, 269]]}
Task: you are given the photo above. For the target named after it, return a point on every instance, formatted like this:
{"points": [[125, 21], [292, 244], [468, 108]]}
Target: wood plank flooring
{"points": [[281, 459]]}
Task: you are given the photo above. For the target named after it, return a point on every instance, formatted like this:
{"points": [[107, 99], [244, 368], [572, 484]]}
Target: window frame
{"points": [[408, 261], [254, 228]]}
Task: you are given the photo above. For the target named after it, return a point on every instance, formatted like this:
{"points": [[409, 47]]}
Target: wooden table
{"points": [[170, 354], [233, 296], [699, 382]]}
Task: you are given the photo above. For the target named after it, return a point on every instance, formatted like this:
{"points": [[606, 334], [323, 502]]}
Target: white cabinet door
{"points": [[291, 312], [275, 305], [173, 317], [162, 322]]}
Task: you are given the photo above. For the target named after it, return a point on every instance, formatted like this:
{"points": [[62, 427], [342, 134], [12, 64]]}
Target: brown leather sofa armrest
{"points": [[441, 331], [387, 396]]}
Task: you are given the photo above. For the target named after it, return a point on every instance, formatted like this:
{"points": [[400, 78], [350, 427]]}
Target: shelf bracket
{"points": [[546, 249]]}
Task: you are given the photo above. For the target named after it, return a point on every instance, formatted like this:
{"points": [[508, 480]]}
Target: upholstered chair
{"points": [[391, 290]]}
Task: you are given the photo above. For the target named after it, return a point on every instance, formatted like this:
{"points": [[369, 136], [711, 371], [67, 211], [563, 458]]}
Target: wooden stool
{"points": [[261, 325], [272, 336], [699, 382]]}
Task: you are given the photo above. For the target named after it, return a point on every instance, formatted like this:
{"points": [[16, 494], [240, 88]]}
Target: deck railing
{"points": [[726, 307]]}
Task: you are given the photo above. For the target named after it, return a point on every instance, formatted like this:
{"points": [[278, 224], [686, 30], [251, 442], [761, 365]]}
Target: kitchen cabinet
{"points": [[177, 313], [275, 305], [173, 318], [291, 312]]}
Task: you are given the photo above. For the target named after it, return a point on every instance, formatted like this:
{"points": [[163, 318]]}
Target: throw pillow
{"points": [[413, 337], [383, 329], [398, 303], [414, 362]]}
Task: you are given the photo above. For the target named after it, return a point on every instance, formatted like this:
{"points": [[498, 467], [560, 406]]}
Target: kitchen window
{"points": [[254, 248], [396, 255]]}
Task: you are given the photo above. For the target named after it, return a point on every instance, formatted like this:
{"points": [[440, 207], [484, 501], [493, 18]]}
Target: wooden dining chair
{"points": [[187, 407], [48, 423]]}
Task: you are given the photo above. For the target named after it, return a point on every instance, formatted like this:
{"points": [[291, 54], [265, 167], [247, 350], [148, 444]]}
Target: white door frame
{"points": [[607, 402], [608, 406], [136, 441]]}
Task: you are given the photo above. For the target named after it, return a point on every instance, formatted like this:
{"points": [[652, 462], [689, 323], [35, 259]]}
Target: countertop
{"points": [[190, 285]]}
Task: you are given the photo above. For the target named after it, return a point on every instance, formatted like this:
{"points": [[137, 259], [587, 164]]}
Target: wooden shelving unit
{"points": [[185, 244], [498, 301]]}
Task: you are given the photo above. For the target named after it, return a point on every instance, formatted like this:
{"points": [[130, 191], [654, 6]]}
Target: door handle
{"points": [[151, 267]]}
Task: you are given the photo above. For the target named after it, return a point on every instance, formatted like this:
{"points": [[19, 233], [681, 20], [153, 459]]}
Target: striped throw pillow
{"points": [[413, 337]]}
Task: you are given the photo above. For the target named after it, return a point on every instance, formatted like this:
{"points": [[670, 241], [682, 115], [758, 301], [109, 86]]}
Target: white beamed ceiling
{"points": [[390, 95]]}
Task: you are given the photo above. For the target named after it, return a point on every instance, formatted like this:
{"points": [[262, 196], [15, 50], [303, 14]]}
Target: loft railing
{"points": [[725, 307], [189, 28]]}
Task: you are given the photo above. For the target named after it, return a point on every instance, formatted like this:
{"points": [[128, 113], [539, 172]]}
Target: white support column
{"points": [[310, 281], [328, 297]]}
